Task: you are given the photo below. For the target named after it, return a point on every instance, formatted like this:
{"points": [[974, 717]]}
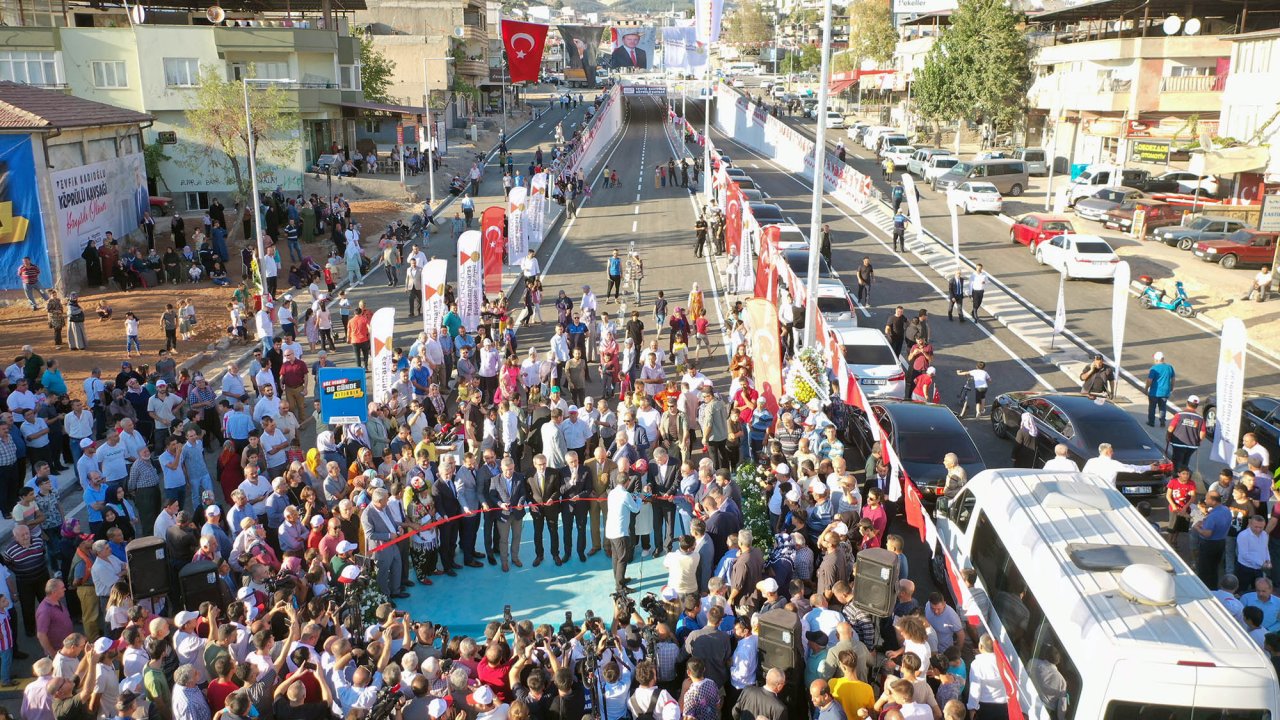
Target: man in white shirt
{"points": [[78, 425], [554, 444], [232, 385], [529, 266], [575, 431], [107, 571], [1255, 449], [275, 444], [1060, 462], [132, 441], [821, 618], [21, 398], [262, 325], [588, 304], [560, 348], [682, 567], [746, 655], [621, 506], [490, 361], [267, 406], [189, 645], [977, 287], [1253, 559], [163, 408], [1107, 467], [649, 695]]}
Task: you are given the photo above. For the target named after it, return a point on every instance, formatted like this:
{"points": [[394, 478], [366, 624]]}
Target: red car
{"points": [[1034, 228]]}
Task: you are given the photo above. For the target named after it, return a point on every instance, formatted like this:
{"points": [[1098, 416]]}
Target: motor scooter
{"points": [[1153, 297]]}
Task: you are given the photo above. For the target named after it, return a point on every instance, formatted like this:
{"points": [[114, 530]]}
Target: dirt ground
{"points": [[19, 325]]}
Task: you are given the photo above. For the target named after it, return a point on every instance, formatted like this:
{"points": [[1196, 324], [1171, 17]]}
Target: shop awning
{"points": [[839, 86], [380, 107]]}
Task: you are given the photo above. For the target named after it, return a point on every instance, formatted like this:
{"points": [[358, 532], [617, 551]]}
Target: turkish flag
{"points": [[523, 42], [766, 350], [494, 240], [767, 271], [733, 218]]}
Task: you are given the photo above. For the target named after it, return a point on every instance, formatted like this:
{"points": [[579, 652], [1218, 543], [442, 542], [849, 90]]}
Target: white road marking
{"points": [[633, 225], [636, 211]]}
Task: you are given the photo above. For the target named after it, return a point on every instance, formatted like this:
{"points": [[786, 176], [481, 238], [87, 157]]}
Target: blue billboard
{"points": [[343, 395], [21, 227]]}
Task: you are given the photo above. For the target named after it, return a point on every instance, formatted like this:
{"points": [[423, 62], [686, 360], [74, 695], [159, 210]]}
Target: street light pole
{"points": [[819, 180], [426, 120], [253, 184]]}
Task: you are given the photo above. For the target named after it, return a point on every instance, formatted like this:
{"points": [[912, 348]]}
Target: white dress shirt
{"points": [[621, 506], [1251, 548], [529, 266], [1107, 468], [985, 683], [1061, 464], [232, 385]]}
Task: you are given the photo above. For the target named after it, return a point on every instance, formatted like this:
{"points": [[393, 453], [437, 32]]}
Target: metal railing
{"points": [[1192, 83]]}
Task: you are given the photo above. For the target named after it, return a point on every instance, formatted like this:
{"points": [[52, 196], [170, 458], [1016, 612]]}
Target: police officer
{"points": [[700, 230], [1187, 429], [900, 231]]}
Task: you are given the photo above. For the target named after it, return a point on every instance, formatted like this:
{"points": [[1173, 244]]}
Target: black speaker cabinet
{"points": [[148, 567], [875, 582], [198, 582]]}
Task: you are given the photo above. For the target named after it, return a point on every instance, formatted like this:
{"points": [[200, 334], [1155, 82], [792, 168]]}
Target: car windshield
{"points": [[833, 305], [962, 168], [987, 189], [1199, 223], [869, 355], [945, 162], [931, 447], [1057, 226], [1093, 248]]}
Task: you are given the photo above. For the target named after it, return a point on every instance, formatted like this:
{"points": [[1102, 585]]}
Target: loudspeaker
{"points": [[198, 582], [148, 569], [875, 581], [779, 640]]}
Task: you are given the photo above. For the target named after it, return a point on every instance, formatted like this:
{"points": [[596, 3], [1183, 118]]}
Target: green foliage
{"points": [[748, 25], [755, 508], [219, 147], [871, 32], [980, 69], [806, 58], [375, 69], [462, 87], [844, 62], [153, 155]]}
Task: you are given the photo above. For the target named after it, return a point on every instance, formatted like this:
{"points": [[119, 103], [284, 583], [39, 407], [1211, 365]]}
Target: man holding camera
{"points": [[622, 505]]}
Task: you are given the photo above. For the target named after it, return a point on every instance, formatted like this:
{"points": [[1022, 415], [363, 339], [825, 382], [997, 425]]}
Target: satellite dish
{"points": [[1172, 24], [1191, 27], [215, 14], [459, 31], [137, 14]]}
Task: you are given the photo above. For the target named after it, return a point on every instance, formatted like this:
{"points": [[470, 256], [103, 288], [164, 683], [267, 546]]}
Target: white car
{"points": [[834, 119], [975, 196], [1079, 256], [880, 372], [791, 236], [836, 305], [900, 155], [938, 166], [919, 160]]}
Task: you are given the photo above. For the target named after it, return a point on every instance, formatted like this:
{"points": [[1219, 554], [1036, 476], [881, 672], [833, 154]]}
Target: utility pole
{"points": [[819, 180], [253, 184]]}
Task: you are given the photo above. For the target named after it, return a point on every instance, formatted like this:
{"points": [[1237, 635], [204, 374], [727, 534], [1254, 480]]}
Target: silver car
{"points": [[920, 160], [1095, 207]]}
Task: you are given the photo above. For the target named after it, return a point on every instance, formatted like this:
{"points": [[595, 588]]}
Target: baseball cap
{"points": [[793, 495], [86, 443], [1158, 356], [185, 617], [573, 408], [783, 469], [317, 521], [767, 585], [840, 528], [245, 593], [817, 487], [350, 574], [346, 546], [817, 637], [1193, 400], [482, 696], [437, 708], [105, 645], [215, 510]]}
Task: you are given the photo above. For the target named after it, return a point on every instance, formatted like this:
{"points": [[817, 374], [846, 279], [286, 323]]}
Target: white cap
{"points": [[350, 573], [161, 383], [376, 483], [817, 487], [346, 546], [437, 708], [372, 632], [103, 645], [185, 617], [1194, 400], [251, 611], [245, 593], [86, 443], [1158, 356], [783, 469], [482, 696], [840, 528], [669, 593], [132, 684], [931, 370], [767, 585], [573, 408], [317, 520], [793, 495], [212, 510]]}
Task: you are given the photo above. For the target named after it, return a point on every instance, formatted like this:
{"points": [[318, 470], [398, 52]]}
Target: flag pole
{"points": [[819, 180], [253, 184]]}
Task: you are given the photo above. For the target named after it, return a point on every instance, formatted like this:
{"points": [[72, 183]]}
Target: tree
{"points": [[979, 69], [807, 57], [844, 61], [748, 25], [871, 32], [219, 139], [375, 68]]}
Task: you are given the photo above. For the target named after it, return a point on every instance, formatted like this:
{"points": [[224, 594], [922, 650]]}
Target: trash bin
{"points": [[1077, 169]]}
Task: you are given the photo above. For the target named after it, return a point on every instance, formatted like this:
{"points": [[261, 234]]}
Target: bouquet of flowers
{"points": [[807, 377], [752, 480]]}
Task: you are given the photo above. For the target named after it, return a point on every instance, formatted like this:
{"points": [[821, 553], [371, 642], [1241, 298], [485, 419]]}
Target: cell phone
{"points": [[506, 614], [568, 616]]}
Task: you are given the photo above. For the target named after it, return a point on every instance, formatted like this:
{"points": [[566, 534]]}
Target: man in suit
{"points": [[720, 524], [544, 487], [627, 55], [664, 479], [484, 480], [378, 528], [755, 702], [601, 468], [467, 487], [506, 491], [713, 646], [578, 484], [622, 506], [445, 492]]}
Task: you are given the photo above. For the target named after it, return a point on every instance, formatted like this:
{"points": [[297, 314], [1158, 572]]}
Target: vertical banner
{"points": [[733, 219], [955, 234], [342, 395], [745, 267], [524, 42], [707, 20], [681, 51], [535, 215], [581, 48], [766, 273], [470, 279], [433, 281], [517, 205], [492, 222], [762, 323], [21, 227], [632, 47], [381, 332], [913, 206], [1235, 341], [1060, 314], [1119, 307]]}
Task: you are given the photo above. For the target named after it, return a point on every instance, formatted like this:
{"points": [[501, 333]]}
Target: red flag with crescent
{"points": [[766, 350], [494, 237], [733, 218], [523, 42], [767, 271]]}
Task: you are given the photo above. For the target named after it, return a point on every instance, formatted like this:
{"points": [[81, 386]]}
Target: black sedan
{"points": [[1081, 423], [798, 260], [767, 213], [1259, 415], [922, 433]]}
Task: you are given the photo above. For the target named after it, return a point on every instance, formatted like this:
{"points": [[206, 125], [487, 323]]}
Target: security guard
{"points": [[700, 230], [1187, 429]]}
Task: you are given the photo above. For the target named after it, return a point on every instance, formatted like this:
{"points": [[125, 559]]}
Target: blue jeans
{"points": [[295, 251], [6, 666], [198, 486], [266, 344], [175, 493], [1155, 404], [31, 291], [131, 343]]}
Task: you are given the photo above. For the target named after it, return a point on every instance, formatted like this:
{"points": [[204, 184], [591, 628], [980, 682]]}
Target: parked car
{"points": [[791, 236], [1205, 227], [1242, 247], [745, 182], [976, 197], [1107, 198], [922, 434], [1034, 228], [1259, 415], [855, 127], [836, 305], [767, 213], [1096, 177], [919, 160], [1082, 423], [734, 172], [1035, 158], [888, 141], [834, 119], [871, 138], [1158, 214], [798, 260], [938, 166], [1181, 181], [900, 154], [1009, 176], [753, 195], [879, 371], [1079, 256]]}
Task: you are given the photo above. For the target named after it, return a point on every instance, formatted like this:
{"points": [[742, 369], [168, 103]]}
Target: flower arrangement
{"points": [[753, 479], [807, 377]]}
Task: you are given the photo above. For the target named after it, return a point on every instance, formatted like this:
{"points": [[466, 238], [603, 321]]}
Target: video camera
{"points": [[384, 705], [655, 607]]}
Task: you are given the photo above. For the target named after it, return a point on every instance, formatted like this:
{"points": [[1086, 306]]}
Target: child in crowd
{"points": [[131, 343], [103, 311]]}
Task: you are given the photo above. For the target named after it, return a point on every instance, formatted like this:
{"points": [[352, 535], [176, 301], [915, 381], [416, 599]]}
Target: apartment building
{"points": [[1251, 107], [154, 67]]}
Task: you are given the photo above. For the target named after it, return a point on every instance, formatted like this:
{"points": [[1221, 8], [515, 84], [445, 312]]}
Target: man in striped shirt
{"points": [[29, 275], [25, 557]]}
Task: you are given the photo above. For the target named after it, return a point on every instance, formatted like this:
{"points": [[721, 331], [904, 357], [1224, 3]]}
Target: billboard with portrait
{"points": [[21, 228], [632, 48], [581, 52], [99, 197]]}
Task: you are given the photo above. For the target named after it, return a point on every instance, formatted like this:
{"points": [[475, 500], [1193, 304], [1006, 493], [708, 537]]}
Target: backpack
{"points": [[648, 714], [897, 192]]}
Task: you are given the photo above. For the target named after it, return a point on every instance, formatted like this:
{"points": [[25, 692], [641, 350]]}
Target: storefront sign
{"points": [[1270, 220], [1149, 152]]}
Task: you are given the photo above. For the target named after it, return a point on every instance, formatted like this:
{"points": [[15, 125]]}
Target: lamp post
{"points": [[253, 184], [819, 179], [426, 120]]}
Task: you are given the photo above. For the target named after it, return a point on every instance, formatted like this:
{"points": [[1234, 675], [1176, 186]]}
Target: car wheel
{"points": [[1184, 244], [1039, 257], [966, 209], [1015, 190], [997, 424], [1229, 262], [1211, 420], [1013, 237]]}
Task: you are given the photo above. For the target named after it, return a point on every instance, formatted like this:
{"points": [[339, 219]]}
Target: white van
{"points": [[871, 138], [1096, 177], [1098, 617]]}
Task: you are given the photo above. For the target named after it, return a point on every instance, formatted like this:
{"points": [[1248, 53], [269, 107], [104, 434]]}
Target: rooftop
{"points": [[26, 107]]}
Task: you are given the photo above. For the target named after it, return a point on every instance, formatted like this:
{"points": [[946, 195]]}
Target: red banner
{"points": [[523, 42], [766, 350], [492, 221], [914, 508], [766, 271], [733, 219]]}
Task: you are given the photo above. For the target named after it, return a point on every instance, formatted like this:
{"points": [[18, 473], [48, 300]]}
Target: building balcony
{"points": [[474, 33], [1193, 84], [31, 38], [272, 39], [471, 68]]}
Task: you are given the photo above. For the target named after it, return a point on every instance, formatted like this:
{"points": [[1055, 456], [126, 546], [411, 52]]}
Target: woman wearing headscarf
{"points": [[57, 316], [92, 264], [76, 338]]}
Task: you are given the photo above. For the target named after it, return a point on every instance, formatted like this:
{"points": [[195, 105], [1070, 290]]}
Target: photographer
{"points": [[530, 681], [290, 695]]}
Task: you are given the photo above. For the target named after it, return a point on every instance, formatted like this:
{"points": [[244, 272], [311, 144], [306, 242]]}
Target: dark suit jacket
{"points": [[581, 487], [621, 59], [757, 702], [549, 494], [446, 499], [519, 495], [714, 648], [720, 525], [668, 483]]}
